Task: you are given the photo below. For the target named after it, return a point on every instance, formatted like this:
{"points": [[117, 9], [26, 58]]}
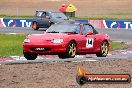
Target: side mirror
{"points": [[89, 33], [47, 17]]}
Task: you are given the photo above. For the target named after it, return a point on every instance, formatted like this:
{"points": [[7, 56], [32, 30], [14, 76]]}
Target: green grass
{"points": [[100, 18], [82, 18], [118, 45], [5, 16], [11, 45]]}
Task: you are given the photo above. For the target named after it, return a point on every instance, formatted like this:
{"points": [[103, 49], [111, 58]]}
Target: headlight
{"points": [[57, 40], [26, 40]]}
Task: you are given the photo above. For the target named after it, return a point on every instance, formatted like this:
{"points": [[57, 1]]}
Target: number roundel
{"points": [[89, 42]]}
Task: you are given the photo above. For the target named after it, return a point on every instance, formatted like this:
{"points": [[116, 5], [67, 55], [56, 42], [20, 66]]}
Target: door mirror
{"points": [[89, 33]]}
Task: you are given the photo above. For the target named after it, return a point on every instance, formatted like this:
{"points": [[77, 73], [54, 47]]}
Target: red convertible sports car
{"points": [[67, 40]]}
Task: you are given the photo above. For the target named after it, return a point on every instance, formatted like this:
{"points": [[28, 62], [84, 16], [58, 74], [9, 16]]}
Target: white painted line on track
{"points": [[79, 56], [109, 54], [18, 57], [55, 60], [9, 60], [11, 33], [84, 60]]}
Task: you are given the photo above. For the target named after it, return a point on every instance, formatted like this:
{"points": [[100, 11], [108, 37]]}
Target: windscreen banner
{"points": [[115, 24], [8, 22]]}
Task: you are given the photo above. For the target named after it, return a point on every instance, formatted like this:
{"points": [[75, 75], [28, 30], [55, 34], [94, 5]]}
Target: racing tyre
{"points": [[103, 50], [70, 51], [29, 56], [61, 55], [34, 26]]}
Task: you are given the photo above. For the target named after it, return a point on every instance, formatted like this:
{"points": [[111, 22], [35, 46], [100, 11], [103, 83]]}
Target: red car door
{"points": [[89, 39]]}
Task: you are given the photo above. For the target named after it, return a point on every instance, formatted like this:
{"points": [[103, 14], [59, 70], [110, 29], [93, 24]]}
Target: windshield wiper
{"points": [[52, 32], [58, 17], [71, 32]]}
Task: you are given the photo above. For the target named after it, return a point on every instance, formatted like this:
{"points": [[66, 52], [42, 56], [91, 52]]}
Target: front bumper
{"points": [[49, 49]]}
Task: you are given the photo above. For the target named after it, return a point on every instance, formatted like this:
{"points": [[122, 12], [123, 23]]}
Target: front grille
{"points": [[40, 49]]}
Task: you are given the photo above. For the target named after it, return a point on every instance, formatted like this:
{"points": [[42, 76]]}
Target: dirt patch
{"points": [[86, 8], [60, 75]]}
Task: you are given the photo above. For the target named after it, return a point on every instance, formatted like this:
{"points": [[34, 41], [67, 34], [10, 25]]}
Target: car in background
{"points": [[67, 40], [45, 18]]}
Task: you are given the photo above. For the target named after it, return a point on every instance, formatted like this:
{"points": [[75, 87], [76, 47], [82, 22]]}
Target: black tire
{"points": [[70, 51], [29, 56], [61, 55], [35, 26], [103, 50]]}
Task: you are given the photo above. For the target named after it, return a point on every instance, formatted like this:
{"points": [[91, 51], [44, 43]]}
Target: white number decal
{"points": [[89, 42]]}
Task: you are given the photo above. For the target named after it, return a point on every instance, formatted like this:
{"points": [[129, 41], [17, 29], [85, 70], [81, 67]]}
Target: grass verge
{"points": [[5, 16], [82, 18], [100, 18], [11, 45], [118, 45]]}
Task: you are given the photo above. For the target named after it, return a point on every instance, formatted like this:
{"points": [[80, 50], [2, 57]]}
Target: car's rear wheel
{"points": [[35, 26], [61, 55], [29, 56], [103, 50], [70, 51]]}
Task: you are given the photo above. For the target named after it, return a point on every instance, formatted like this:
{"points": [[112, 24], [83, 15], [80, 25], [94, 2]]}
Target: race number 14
{"points": [[89, 42]]}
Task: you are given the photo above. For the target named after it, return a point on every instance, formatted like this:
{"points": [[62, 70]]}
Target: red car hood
{"points": [[46, 37]]}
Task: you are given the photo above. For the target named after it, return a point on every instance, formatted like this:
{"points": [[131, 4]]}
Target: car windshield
{"points": [[39, 13], [58, 15], [64, 28]]}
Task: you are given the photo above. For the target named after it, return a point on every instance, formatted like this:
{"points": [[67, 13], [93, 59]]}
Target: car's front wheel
{"points": [[103, 50], [35, 26], [29, 56], [70, 51]]}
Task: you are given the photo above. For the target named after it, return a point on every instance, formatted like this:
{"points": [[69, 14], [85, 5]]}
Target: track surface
{"points": [[122, 35]]}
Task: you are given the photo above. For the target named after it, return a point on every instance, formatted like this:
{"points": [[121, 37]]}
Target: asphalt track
{"points": [[122, 35]]}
